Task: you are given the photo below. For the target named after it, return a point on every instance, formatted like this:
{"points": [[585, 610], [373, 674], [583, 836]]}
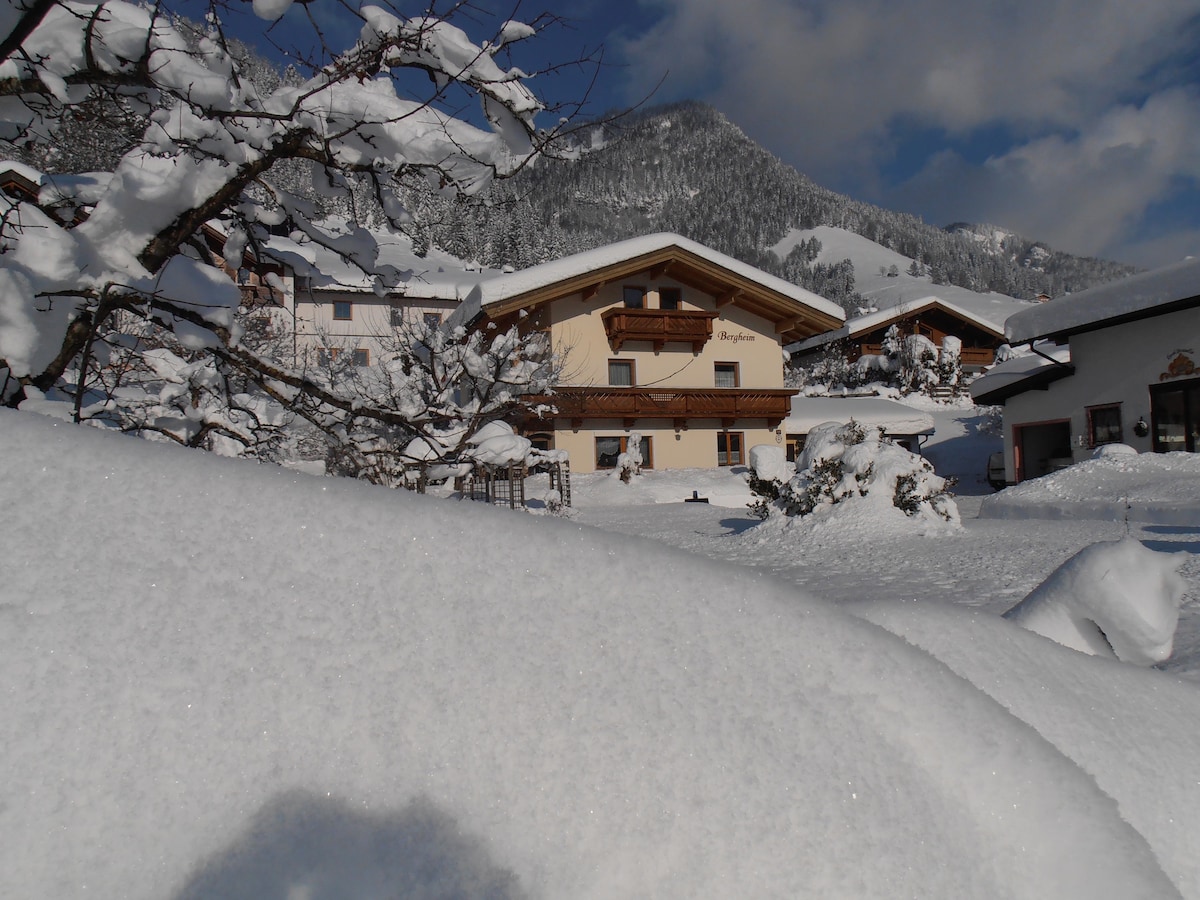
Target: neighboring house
{"points": [[1132, 374], [903, 424], [337, 309], [931, 317], [664, 338]]}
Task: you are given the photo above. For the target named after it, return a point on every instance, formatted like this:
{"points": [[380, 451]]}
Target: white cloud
{"points": [[835, 86], [1085, 193]]}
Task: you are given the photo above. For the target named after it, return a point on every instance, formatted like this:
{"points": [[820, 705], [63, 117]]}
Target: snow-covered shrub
{"points": [[769, 470], [629, 463], [918, 364], [845, 462], [1108, 451], [1115, 598]]}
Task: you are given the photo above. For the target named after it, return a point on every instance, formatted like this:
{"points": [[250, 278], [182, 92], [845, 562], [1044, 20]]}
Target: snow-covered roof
{"points": [[508, 292], [19, 168], [1022, 373], [869, 322], [436, 275], [1136, 297], [894, 418]]}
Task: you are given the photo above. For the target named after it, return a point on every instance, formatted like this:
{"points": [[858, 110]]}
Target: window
{"points": [[432, 320], [726, 374], [635, 297], [343, 310], [668, 298], [361, 357], [620, 372], [326, 356], [609, 448], [795, 446], [729, 448], [1104, 424], [396, 317]]}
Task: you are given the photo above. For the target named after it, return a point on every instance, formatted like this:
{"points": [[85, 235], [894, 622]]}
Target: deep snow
{"points": [[227, 680]]}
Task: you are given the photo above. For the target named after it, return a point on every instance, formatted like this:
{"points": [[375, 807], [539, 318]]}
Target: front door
{"points": [[1175, 414]]}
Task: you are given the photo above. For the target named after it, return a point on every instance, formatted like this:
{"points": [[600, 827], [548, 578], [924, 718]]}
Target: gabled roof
{"points": [[796, 312], [883, 317], [1136, 297]]}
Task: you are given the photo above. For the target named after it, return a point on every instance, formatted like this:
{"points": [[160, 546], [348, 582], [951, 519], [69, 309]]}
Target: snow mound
{"points": [[1134, 730], [1115, 598], [246, 682], [1162, 488]]}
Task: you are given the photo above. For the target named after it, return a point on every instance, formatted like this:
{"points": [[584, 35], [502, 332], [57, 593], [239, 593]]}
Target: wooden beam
{"points": [[590, 291], [659, 270], [727, 297], [788, 324]]}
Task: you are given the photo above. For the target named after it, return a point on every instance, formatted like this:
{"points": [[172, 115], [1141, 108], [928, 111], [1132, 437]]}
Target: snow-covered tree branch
{"points": [[87, 253]]}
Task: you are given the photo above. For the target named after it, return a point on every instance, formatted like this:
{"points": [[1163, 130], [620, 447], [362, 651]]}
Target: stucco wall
{"points": [[578, 330], [1112, 365]]}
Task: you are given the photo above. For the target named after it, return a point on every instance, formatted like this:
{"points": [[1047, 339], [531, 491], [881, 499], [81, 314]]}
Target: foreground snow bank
{"points": [[1134, 730], [1163, 488], [1115, 599], [225, 680]]}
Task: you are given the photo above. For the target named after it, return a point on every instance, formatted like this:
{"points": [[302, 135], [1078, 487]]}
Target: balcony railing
{"points": [[969, 356], [658, 326], [679, 404]]}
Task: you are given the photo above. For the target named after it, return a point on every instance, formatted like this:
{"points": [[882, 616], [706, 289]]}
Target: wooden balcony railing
{"points": [[659, 326], [679, 404], [969, 356]]}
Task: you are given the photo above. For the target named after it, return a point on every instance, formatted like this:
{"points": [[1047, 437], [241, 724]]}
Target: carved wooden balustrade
{"points": [[678, 404], [658, 326]]}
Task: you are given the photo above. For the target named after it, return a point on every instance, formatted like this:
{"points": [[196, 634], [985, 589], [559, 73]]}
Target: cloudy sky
{"points": [[1076, 122]]}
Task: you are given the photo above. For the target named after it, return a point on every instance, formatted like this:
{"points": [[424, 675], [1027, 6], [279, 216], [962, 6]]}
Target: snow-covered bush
{"points": [[769, 471], [629, 463], [848, 462], [1115, 598]]}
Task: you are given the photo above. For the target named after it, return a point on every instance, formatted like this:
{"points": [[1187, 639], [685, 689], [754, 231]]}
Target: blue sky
{"points": [[1076, 122]]}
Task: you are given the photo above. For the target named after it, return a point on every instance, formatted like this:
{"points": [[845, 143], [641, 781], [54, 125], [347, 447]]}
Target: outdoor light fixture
{"points": [[1140, 428]]}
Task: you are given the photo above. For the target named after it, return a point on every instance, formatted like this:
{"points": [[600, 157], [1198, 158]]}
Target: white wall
{"points": [[1112, 365]]}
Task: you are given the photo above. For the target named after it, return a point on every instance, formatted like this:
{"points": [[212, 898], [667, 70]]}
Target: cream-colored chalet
{"points": [[931, 317], [661, 337]]}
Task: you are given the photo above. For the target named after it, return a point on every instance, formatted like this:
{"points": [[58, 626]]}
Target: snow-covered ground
{"points": [[228, 680]]}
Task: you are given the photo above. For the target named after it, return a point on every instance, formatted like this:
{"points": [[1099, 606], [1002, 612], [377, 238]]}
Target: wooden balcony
{"points": [[970, 356], [679, 404], [658, 326]]}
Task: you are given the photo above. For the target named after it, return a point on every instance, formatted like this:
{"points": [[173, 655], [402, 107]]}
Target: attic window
{"points": [[635, 297], [668, 298]]}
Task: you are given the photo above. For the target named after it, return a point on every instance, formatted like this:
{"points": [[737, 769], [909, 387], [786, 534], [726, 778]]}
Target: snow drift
{"points": [[224, 680], [1115, 598]]}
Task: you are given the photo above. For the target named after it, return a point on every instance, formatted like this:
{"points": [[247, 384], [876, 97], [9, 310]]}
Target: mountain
{"points": [[686, 168]]}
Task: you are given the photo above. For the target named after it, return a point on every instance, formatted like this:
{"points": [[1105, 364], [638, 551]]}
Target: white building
{"points": [[1130, 375]]}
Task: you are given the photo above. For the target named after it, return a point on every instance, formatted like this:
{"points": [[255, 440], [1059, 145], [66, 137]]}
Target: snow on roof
{"points": [[508, 286], [19, 168], [892, 417], [869, 322], [886, 291], [436, 275], [1020, 373], [1135, 297]]}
